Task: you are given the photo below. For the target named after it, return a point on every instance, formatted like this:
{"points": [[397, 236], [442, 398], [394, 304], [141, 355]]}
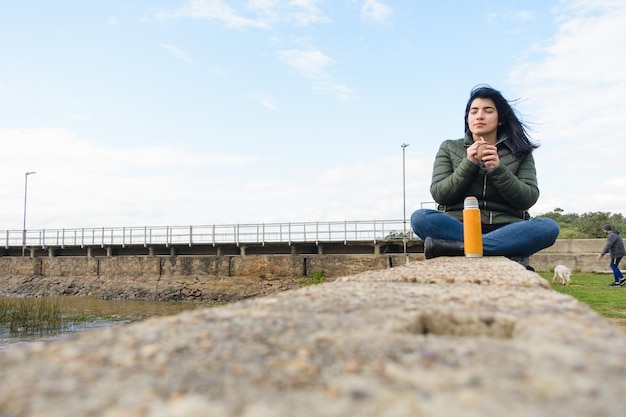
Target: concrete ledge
{"points": [[576, 246], [443, 337], [577, 254]]}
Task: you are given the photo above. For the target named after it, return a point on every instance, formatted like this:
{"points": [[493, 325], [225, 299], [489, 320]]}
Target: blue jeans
{"points": [[522, 238], [617, 274]]}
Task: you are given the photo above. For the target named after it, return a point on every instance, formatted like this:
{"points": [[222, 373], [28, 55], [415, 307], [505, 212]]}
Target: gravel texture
{"points": [[443, 337]]}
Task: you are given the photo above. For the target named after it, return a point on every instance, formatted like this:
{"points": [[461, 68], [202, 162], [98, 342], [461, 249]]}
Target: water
{"points": [[96, 313]]}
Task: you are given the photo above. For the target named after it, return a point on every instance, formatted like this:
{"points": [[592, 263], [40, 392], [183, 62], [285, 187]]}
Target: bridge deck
{"points": [[343, 237]]}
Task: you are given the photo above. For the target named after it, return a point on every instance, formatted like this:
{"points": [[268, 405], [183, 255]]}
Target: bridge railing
{"points": [[314, 232]]}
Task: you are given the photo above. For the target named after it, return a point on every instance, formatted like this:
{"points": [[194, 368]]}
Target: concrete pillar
{"points": [[151, 251], [320, 251], [219, 251], [242, 250], [109, 251], [32, 252], [50, 253], [172, 251], [89, 252], [377, 249], [293, 250]]}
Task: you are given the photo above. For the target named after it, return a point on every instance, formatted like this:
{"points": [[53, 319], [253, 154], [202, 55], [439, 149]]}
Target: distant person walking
{"points": [[615, 248]]}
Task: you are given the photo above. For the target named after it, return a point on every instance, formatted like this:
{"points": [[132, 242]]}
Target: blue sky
{"points": [[218, 111]]}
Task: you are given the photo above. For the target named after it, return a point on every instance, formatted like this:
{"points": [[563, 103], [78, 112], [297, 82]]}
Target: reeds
{"points": [[31, 316]]}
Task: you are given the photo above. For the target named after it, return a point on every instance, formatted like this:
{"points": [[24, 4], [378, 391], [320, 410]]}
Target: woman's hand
{"points": [[473, 152], [481, 151]]}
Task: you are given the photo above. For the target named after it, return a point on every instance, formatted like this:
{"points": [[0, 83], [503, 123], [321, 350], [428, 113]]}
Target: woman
{"points": [[494, 163]]}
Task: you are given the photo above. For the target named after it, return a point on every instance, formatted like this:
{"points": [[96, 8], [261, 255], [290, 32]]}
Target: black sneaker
{"points": [[622, 282], [614, 284]]}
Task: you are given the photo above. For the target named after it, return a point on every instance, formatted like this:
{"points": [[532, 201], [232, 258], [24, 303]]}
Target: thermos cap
{"points": [[470, 202]]}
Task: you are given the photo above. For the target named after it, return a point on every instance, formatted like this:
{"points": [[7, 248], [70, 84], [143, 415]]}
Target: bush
{"points": [[317, 278]]}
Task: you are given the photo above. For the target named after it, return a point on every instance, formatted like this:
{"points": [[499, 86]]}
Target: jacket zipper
{"points": [[485, 200]]}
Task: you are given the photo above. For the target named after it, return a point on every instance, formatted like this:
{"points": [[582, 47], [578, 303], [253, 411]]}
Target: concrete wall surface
{"points": [[578, 254], [440, 338]]}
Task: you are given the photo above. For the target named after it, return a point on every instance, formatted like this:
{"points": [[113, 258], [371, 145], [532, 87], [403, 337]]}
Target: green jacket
{"points": [[504, 193]]}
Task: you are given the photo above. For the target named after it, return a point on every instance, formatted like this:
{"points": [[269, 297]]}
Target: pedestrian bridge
{"points": [[358, 237]]}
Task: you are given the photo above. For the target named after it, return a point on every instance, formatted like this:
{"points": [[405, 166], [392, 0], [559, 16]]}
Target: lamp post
{"points": [[404, 145], [25, 195]]}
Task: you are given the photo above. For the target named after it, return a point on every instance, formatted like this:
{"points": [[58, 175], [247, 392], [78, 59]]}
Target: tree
{"points": [[585, 226]]}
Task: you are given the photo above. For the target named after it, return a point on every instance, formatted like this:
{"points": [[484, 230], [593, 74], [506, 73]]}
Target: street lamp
{"points": [[25, 195], [404, 145]]}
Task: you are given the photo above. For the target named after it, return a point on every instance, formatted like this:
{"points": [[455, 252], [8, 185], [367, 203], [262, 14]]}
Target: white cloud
{"points": [[34, 146], [176, 51], [84, 182], [267, 13], [363, 192], [300, 12], [375, 11], [576, 86], [341, 91], [212, 10], [265, 5], [578, 81], [313, 64], [310, 63], [268, 10], [265, 100], [510, 16], [307, 11]]}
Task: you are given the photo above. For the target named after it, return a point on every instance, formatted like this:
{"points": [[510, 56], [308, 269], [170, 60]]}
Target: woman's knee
{"points": [[550, 227], [418, 220], [418, 216], [421, 216]]}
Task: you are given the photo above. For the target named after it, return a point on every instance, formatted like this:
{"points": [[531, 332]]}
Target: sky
{"points": [[199, 112]]}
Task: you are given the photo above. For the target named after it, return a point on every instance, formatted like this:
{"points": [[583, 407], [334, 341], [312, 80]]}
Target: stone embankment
{"points": [[443, 337], [192, 278], [226, 278]]}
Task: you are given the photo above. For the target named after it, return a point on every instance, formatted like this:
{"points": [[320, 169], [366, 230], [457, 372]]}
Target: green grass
{"points": [[594, 290]]}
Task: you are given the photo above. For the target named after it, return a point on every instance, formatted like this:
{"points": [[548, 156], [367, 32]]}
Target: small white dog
{"points": [[563, 273]]}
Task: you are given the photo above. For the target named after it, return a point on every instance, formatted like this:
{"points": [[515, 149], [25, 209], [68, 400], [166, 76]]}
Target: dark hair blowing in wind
{"points": [[510, 125]]}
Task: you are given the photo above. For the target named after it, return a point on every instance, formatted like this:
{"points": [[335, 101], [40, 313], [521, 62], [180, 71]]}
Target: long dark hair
{"points": [[510, 125]]}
